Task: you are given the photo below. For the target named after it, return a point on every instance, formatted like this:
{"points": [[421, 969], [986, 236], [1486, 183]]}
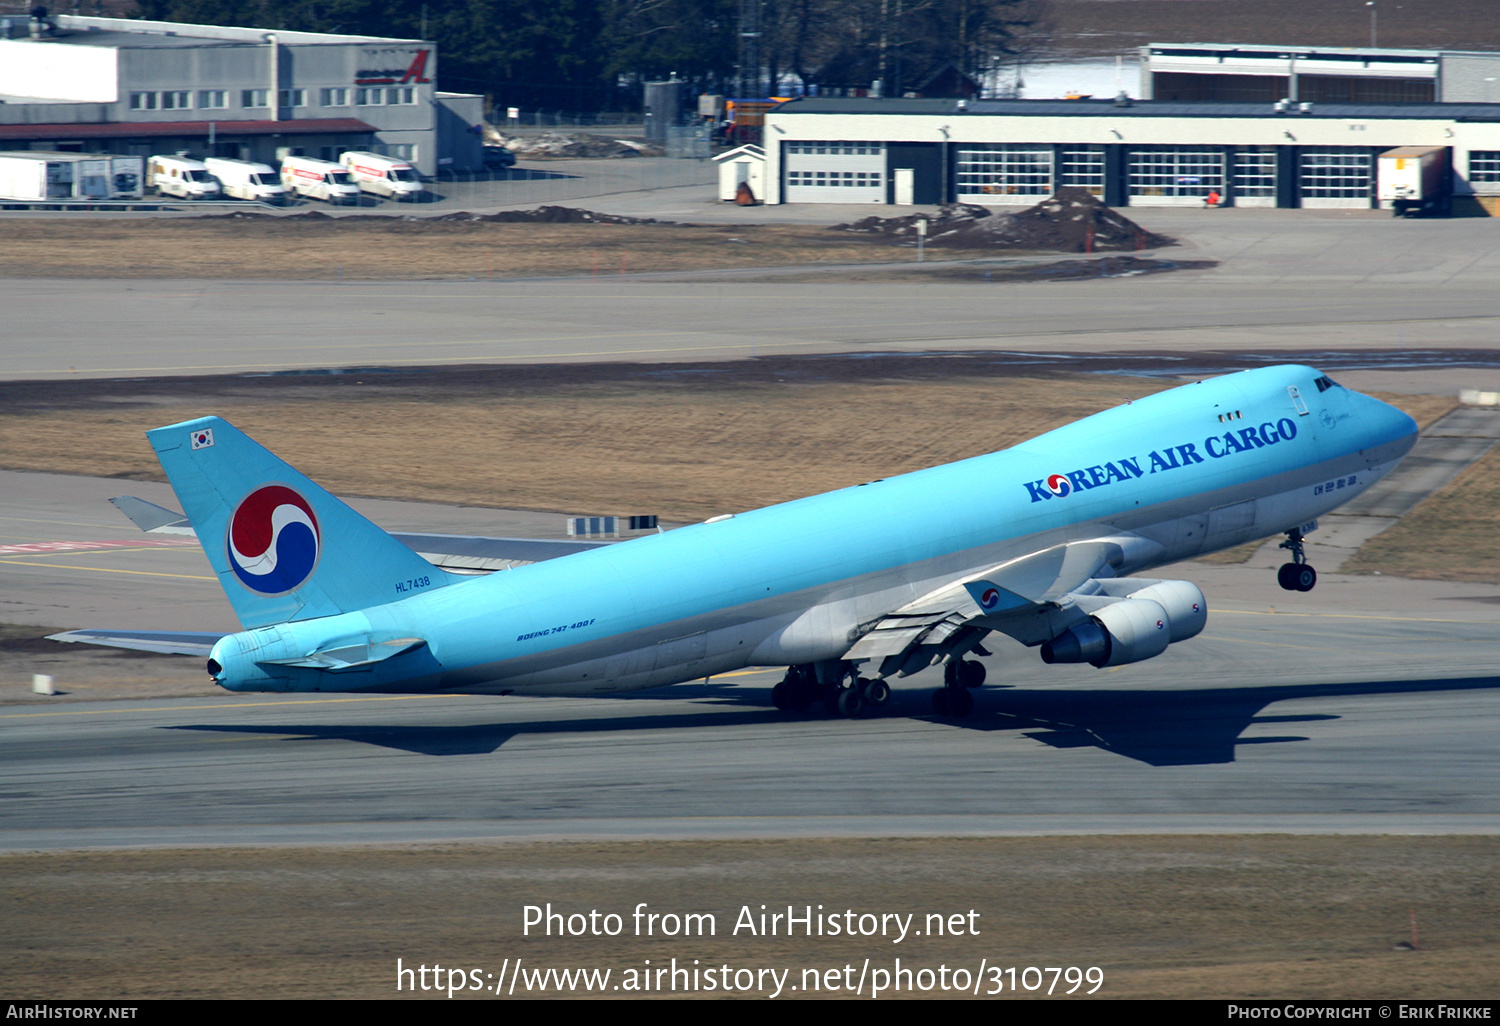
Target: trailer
{"points": [[52, 178], [1416, 180], [124, 175]]}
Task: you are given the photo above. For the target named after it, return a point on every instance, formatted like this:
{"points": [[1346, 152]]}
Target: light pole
{"points": [[1371, 5]]}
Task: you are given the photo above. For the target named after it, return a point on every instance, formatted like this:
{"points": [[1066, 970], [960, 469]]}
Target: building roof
{"points": [[129, 33], [1140, 109], [160, 129]]}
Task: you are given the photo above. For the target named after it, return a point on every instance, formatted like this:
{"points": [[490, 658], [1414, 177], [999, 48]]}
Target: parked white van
{"points": [[384, 176], [247, 179], [320, 179], [181, 176]]}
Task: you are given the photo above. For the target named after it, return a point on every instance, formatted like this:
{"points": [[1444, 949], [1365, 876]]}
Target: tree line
{"points": [[589, 55]]}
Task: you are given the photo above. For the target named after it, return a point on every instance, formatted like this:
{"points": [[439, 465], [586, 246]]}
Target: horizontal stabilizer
{"points": [[151, 518], [193, 643]]}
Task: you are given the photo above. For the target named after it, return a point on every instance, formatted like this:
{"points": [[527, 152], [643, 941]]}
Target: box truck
{"points": [[382, 175], [182, 177], [1415, 180], [320, 179], [247, 179]]}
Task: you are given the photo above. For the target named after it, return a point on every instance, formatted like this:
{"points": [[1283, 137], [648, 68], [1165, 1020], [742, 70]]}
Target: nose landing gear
{"points": [[1297, 575]]}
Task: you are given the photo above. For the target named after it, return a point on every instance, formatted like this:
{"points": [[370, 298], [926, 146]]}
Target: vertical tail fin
{"points": [[284, 548]]}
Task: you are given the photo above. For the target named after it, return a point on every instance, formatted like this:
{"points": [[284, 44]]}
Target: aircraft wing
{"points": [[1031, 598], [461, 553]]}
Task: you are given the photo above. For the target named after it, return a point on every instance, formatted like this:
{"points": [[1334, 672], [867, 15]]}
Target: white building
{"points": [[141, 87], [1141, 153]]}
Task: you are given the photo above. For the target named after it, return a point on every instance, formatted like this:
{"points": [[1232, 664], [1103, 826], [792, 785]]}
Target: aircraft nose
{"points": [[1392, 427]]}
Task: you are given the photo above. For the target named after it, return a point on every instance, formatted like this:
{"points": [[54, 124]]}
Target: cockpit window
{"points": [[1325, 383]]}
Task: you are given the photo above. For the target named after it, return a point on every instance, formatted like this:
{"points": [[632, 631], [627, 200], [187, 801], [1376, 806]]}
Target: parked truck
{"points": [[182, 177], [382, 175], [320, 179], [1416, 180], [247, 179], [39, 177], [124, 175]]}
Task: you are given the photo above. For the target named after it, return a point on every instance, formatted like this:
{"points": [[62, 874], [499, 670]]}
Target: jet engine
{"points": [[1144, 618]]}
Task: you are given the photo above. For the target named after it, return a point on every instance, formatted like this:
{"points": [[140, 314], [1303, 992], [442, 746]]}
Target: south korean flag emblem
{"points": [[203, 439]]}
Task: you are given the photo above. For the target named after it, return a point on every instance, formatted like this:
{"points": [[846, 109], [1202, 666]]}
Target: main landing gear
{"points": [[839, 687], [1296, 575], [953, 698]]}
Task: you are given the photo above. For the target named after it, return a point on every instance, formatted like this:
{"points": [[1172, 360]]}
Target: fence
{"points": [[515, 117]]}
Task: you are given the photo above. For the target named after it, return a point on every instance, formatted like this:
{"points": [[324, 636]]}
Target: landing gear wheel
{"points": [[781, 696], [970, 673], [1297, 577], [1306, 578], [876, 692], [795, 693], [850, 702]]}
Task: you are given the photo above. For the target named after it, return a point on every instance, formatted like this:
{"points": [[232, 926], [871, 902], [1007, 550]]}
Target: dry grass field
{"points": [[1163, 917], [1450, 537], [581, 439], [384, 246]]}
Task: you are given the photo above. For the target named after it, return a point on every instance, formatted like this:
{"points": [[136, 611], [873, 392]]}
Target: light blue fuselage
{"points": [[1190, 470]]}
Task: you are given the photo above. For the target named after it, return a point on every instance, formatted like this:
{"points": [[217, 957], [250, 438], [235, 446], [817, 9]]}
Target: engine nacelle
{"points": [[1187, 610], [1142, 624]]}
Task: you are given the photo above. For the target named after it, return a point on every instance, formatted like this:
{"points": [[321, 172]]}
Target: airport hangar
{"points": [[1305, 154], [116, 85]]}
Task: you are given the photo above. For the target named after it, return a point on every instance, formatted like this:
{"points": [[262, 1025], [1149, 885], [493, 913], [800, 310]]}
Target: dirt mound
{"points": [[551, 215], [563, 146], [1072, 220]]}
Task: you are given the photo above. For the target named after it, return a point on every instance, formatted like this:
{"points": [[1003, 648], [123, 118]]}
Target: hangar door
{"points": [[834, 172]]}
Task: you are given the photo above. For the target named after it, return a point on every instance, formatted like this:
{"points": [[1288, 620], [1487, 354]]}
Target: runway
{"points": [[1289, 281], [1366, 706]]}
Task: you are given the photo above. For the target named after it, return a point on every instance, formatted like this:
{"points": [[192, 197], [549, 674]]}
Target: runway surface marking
{"points": [[108, 570], [134, 544]]}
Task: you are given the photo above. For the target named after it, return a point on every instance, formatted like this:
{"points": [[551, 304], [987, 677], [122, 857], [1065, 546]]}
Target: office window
{"points": [[402, 94], [335, 97], [176, 100], [142, 101], [366, 97], [213, 99], [294, 97], [255, 97]]}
